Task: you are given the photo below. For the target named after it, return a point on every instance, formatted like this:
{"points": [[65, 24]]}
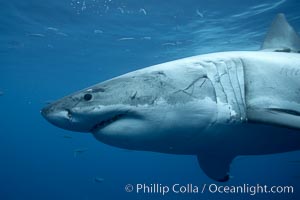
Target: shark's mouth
{"points": [[106, 122]]}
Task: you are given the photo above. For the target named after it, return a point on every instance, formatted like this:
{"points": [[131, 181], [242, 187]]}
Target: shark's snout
{"points": [[68, 117], [46, 111], [55, 115], [60, 118]]}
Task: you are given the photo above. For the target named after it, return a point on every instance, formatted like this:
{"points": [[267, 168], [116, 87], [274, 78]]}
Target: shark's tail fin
{"points": [[281, 36]]}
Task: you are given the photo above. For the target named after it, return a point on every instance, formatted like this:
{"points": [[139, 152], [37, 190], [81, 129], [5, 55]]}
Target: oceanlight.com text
{"points": [[164, 189]]}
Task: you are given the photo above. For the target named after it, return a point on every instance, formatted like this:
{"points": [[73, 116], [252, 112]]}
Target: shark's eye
{"points": [[87, 97]]}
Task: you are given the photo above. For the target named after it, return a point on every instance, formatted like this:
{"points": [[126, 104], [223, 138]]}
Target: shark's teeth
{"points": [[104, 123]]}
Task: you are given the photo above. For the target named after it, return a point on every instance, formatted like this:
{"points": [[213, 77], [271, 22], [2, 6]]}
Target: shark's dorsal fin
{"points": [[281, 36]]}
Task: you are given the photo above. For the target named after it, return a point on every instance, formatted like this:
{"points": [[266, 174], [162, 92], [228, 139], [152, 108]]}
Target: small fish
{"points": [[79, 151], [142, 10], [146, 38], [36, 35], [52, 29], [98, 180], [200, 14], [169, 44], [1, 93], [97, 31], [121, 9], [126, 38], [67, 136]]}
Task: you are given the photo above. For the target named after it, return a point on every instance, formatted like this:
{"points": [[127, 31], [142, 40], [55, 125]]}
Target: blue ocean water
{"points": [[49, 49]]}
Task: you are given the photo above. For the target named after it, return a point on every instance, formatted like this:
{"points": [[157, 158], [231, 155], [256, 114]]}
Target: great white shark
{"points": [[217, 106]]}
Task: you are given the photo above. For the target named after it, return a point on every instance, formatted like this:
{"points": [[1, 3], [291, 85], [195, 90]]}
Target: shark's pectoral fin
{"points": [[214, 166]]}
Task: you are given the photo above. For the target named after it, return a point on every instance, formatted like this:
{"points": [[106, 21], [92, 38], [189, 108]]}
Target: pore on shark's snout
{"points": [[216, 106]]}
